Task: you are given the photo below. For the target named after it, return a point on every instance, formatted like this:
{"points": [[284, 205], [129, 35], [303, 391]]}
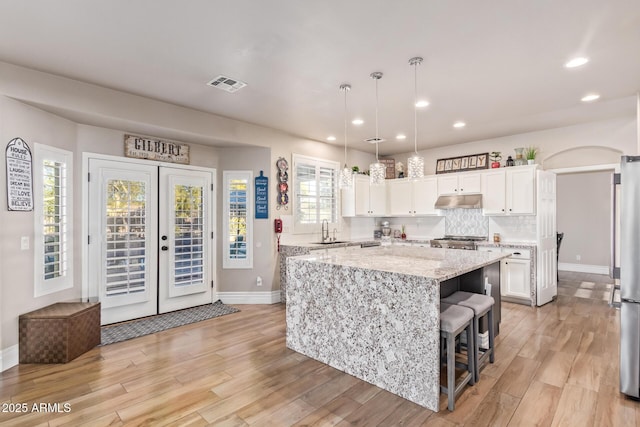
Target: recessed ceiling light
{"points": [[590, 97], [459, 124], [357, 122], [422, 104], [576, 62], [401, 136], [331, 138]]}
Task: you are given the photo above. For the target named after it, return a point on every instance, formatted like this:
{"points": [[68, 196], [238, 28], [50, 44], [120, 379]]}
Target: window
{"points": [[315, 193], [238, 219], [53, 216]]}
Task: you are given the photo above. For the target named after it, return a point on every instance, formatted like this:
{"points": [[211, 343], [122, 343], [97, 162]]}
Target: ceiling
{"points": [[496, 65]]}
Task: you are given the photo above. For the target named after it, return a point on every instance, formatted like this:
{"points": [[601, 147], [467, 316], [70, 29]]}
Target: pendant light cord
{"points": [[377, 139], [345, 88], [415, 108]]}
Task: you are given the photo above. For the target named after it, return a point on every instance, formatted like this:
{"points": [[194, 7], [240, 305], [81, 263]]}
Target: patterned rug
{"points": [[150, 325]]}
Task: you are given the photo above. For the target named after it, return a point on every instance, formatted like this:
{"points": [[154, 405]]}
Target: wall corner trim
{"points": [[9, 357], [269, 297]]}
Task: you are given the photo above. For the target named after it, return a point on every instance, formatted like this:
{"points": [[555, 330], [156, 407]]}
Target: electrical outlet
{"points": [[578, 257], [258, 281], [24, 243]]}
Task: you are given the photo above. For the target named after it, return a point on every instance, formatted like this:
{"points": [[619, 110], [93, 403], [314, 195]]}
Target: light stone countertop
{"points": [[432, 263]]}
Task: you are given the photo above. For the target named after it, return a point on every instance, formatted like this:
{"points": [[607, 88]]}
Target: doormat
{"points": [[150, 325]]}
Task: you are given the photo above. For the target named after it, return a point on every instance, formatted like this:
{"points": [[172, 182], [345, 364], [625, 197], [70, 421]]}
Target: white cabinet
{"points": [[509, 191], [515, 274], [521, 194], [363, 199], [408, 197], [459, 183]]}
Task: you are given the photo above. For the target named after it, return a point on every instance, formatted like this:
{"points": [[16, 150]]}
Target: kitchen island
{"points": [[374, 313]]}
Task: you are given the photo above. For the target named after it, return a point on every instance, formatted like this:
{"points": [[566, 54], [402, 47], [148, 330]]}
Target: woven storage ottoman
{"points": [[59, 332]]}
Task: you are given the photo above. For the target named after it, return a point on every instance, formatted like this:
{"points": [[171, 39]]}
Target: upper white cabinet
{"points": [[459, 183], [509, 191], [363, 199], [407, 198]]}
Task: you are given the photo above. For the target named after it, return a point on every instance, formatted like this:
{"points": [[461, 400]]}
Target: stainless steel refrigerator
{"points": [[629, 255]]}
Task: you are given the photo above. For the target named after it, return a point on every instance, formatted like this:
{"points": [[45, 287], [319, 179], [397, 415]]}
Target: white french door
{"points": [[150, 238], [185, 239]]}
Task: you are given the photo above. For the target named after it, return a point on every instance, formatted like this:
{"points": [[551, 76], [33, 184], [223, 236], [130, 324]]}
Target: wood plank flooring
{"points": [[556, 365]]}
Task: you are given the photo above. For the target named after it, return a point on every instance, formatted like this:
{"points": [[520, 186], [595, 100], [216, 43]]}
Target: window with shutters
{"points": [[315, 193], [53, 219], [238, 219]]}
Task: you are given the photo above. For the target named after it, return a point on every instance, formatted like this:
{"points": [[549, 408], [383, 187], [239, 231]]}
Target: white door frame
{"points": [[85, 213]]}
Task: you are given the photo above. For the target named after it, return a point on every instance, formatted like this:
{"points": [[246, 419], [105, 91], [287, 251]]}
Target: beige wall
{"points": [[33, 126], [617, 134], [584, 215]]}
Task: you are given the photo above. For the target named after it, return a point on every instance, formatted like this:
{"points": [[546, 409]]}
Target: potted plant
{"points": [[495, 157], [403, 236], [530, 153]]}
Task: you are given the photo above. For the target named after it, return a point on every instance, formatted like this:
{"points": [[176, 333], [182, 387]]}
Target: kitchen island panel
{"points": [[379, 326]]}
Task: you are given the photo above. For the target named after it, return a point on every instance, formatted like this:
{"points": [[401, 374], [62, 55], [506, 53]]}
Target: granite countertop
{"points": [[432, 263]]}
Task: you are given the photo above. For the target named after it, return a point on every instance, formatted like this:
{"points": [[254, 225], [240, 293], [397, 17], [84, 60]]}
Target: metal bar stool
{"points": [[454, 319], [482, 305]]}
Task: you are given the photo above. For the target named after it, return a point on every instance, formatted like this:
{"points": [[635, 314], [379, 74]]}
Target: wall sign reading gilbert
{"points": [[19, 176], [156, 149]]}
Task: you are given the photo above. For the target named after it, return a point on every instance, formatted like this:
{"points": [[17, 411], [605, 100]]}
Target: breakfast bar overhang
{"points": [[374, 312]]}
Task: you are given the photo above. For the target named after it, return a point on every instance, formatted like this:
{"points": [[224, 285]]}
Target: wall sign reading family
{"points": [[156, 149], [19, 176], [463, 163]]}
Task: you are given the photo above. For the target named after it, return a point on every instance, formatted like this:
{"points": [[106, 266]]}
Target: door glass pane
{"points": [[188, 234], [238, 219], [125, 237]]}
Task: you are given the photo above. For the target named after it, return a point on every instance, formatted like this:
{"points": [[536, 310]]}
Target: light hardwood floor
{"points": [[556, 365]]}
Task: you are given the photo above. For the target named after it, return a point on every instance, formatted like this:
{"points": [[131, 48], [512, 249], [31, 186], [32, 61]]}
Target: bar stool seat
{"points": [[454, 320], [481, 305]]}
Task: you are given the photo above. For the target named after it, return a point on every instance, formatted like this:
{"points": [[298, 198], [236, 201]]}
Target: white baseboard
{"points": [[269, 297], [583, 268], [9, 357]]}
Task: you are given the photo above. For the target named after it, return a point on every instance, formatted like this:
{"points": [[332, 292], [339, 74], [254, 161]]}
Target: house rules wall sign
{"points": [[19, 176], [156, 149]]}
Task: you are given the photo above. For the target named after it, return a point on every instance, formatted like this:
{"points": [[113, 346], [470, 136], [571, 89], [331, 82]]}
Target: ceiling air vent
{"points": [[374, 140], [227, 84]]}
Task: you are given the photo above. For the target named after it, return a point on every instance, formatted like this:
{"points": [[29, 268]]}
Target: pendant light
{"points": [[346, 174], [415, 163], [377, 170]]}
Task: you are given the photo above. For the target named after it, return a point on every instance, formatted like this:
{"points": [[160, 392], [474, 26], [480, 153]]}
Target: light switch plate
{"points": [[24, 243]]}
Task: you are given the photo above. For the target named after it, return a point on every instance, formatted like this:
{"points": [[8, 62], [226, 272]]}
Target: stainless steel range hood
{"points": [[468, 201]]}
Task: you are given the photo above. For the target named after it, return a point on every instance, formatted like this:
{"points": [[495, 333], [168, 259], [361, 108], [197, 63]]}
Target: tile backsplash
{"points": [[466, 222]]}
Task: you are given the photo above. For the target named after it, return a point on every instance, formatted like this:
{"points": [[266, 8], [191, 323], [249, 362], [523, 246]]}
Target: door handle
{"points": [[165, 248]]}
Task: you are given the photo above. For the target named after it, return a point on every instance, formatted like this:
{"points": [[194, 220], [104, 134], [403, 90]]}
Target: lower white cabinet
{"points": [[515, 274]]}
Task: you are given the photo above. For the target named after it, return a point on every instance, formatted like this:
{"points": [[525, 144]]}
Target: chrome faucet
{"points": [[325, 230]]}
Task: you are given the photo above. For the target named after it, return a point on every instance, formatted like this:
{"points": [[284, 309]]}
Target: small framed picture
{"points": [[482, 161], [448, 164], [473, 161], [464, 163], [456, 164]]}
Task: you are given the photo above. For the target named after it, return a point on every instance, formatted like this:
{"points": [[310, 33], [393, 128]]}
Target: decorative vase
{"points": [[519, 161], [403, 236], [531, 161], [495, 165]]}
